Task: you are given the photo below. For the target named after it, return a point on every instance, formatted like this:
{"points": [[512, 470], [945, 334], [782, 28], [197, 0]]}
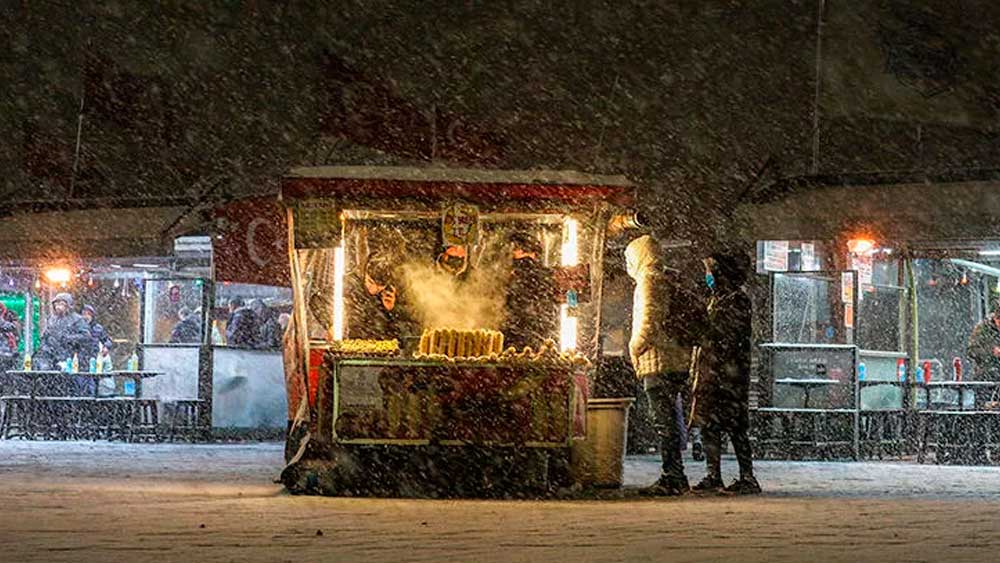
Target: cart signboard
{"points": [[460, 224]]}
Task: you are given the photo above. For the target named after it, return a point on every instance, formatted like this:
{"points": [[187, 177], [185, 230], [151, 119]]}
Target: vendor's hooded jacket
{"points": [[655, 346], [64, 335]]}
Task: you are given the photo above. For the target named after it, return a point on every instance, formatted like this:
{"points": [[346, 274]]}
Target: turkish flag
{"points": [[251, 245]]}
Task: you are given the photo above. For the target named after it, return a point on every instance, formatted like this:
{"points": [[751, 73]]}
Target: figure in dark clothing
{"points": [[268, 330], [722, 387], [188, 328], [100, 342], [241, 329], [376, 303], [66, 333], [10, 330], [531, 314], [984, 346]]}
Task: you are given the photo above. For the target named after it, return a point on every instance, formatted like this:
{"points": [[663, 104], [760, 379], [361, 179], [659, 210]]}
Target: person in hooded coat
{"points": [[66, 332], [10, 330], [241, 328], [722, 388], [984, 346], [100, 341], [660, 354], [268, 330], [188, 328]]}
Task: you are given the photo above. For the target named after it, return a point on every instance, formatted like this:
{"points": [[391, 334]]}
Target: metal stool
{"points": [[15, 416], [184, 419], [145, 422]]}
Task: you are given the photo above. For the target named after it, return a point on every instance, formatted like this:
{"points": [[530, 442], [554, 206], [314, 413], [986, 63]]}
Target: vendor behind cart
{"points": [[530, 313], [376, 302]]}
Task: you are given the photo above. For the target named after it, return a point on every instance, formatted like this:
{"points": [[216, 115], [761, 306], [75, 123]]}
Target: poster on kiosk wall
{"points": [[776, 255]]}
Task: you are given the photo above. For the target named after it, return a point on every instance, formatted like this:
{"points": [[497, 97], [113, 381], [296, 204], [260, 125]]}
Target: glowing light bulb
{"points": [[58, 275]]}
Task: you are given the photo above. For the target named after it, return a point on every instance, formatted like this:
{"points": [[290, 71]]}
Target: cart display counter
{"points": [[410, 402]]}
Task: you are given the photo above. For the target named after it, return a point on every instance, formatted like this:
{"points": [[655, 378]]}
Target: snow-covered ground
{"points": [[136, 503]]}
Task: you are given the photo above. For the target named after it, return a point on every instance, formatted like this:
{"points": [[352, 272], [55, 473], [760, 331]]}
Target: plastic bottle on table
{"points": [[901, 369], [956, 365], [27, 362], [862, 371], [104, 364], [93, 366], [133, 362], [76, 363]]}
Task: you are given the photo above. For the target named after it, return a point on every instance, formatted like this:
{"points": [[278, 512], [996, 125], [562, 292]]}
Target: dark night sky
{"points": [[212, 99]]}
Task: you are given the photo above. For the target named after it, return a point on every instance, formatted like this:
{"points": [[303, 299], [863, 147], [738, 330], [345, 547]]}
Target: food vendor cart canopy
{"points": [[100, 232], [901, 206], [487, 186]]}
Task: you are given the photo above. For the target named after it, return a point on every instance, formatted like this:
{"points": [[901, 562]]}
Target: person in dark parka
{"points": [[188, 328], [66, 333], [722, 382], [241, 329], [100, 341]]}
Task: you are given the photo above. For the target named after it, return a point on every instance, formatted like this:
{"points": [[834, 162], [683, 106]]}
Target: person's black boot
{"points": [[697, 451], [666, 487], [744, 486], [709, 484]]}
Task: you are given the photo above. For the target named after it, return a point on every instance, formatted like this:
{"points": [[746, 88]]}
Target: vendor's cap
{"points": [[64, 297], [90, 309]]}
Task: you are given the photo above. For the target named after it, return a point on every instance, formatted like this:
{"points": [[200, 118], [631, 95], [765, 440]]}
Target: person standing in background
{"points": [[10, 331], [984, 346], [100, 342], [188, 328], [67, 334], [241, 328], [268, 330]]}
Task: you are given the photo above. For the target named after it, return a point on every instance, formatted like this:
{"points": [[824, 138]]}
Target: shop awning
{"points": [[101, 232], [890, 207]]}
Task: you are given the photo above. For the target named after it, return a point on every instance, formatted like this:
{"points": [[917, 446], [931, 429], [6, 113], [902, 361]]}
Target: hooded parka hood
{"points": [[641, 256]]}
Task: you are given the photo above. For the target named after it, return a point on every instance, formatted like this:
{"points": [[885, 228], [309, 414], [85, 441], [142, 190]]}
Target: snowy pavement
{"points": [[100, 502]]}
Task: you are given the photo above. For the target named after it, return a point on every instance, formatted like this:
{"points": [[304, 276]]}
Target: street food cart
{"points": [[409, 371]]}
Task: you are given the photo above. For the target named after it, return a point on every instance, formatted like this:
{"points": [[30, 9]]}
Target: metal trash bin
{"points": [[599, 461]]}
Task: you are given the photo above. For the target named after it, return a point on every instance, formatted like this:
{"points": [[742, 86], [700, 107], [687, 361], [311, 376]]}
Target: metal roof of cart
{"points": [[461, 175], [490, 187]]}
